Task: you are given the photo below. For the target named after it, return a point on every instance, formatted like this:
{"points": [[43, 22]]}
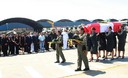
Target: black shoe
{"points": [[57, 62], [86, 69], [63, 61], [118, 57], [122, 57], [105, 58], [97, 60], [78, 69], [112, 58]]}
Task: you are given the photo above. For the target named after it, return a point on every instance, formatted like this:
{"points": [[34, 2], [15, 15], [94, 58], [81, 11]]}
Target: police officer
{"points": [[82, 49], [59, 45]]}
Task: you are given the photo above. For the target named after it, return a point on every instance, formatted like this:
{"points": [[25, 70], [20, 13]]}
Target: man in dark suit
{"points": [[16, 43], [0, 45], [53, 36], [47, 39], [11, 44], [36, 42], [28, 43], [4, 43]]}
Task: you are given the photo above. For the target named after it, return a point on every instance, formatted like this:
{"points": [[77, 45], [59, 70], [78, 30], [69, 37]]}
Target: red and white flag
{"points": [[102, 27]]}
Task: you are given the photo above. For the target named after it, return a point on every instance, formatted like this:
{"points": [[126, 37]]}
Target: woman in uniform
{"points": [[121, 41], [115, 43], [102, 44], [94, 44], [110, 43]]}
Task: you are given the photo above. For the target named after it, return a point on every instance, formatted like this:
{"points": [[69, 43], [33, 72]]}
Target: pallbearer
{"points": [[121, 41], [82, 49], [110, 42], [94, 45], [102, 44], [115, 44], [59, 42]]}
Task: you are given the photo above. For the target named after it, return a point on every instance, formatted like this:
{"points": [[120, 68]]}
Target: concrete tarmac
{"points": [[42, 65]]}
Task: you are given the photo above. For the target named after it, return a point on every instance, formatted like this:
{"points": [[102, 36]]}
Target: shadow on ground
{"points": [[106, 61], [66, 63], [94, 72], [115, 60], [122, 60]]}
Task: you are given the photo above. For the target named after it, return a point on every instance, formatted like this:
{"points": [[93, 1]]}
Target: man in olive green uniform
{"points": [[82, 49], [59, 45]]}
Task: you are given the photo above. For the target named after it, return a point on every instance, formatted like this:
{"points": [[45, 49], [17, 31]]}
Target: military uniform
{"points": [[81, 48], [94, 43], [110, 41], [121, 42], [59, 45], [110, 44]]}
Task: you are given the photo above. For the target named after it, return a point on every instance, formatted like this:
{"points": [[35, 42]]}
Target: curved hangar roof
{"points": [[36, 26]]}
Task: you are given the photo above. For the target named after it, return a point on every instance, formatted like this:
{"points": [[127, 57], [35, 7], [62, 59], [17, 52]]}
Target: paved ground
{"points": [[42, 65]]}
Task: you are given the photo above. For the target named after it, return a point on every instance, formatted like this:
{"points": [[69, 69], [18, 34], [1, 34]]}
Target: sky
{"points": [[64, 9]]}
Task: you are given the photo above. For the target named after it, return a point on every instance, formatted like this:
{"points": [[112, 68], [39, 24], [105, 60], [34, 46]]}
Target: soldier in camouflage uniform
{"points": [[82, 49], [59, 44]]}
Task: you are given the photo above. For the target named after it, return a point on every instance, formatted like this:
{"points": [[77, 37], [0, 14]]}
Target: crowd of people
{"points": [[109, 43]]}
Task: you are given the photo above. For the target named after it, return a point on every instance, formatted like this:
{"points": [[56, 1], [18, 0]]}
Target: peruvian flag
{"points": [[102, 27]]}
